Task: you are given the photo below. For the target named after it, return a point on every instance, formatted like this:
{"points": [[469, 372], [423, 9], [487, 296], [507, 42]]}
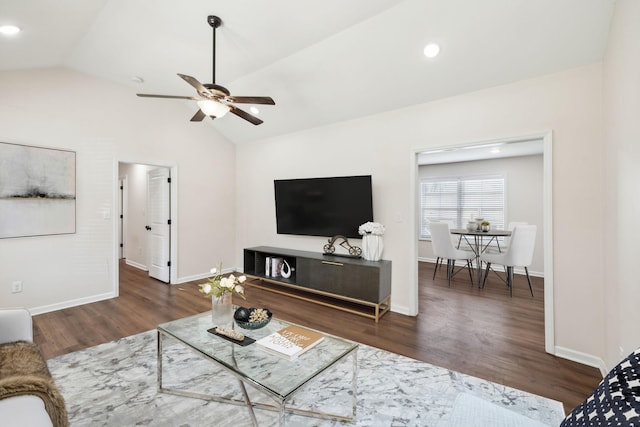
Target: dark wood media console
{"points": [[349, 284]]}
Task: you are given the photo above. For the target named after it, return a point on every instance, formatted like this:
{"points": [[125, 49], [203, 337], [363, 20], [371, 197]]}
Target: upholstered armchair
{"points": [[28, 396]]}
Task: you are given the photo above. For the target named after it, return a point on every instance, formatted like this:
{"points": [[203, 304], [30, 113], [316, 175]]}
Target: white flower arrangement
{"points": [[218, 285], [374, 228]]}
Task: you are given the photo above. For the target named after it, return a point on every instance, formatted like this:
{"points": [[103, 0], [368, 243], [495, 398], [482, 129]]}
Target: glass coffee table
{"points": [[275, 377]]}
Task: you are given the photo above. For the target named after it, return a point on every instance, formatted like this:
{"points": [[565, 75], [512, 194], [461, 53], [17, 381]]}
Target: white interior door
{"points": [[159, 227]]}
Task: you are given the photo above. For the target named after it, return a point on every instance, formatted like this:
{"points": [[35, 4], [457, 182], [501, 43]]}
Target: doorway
{"points": [[545, 142], [148, 218]]}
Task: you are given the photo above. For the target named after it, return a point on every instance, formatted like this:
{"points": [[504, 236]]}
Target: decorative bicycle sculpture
{"points": [[330, 248]]}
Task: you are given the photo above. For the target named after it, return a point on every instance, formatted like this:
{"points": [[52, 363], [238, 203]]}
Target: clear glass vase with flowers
{"points": [[221, 289]]}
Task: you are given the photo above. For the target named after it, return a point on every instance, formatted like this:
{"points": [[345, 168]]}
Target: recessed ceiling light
{"points": [[9, 30], [431, 50], [254, 110]]}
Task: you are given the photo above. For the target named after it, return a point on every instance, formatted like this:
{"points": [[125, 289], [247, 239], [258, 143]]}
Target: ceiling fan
{"points": [[214, 100]]}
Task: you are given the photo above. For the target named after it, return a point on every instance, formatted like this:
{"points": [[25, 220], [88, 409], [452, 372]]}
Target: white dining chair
{"points": [[457, 240], [443, 249], [501, 248], [519, 254], [507, 240]]}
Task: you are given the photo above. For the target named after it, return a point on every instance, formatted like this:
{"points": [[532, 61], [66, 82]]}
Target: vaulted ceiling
{"points": [[321, 61]]}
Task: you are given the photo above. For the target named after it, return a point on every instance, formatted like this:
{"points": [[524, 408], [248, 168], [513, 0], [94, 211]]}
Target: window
{"points": [[460, 199]]}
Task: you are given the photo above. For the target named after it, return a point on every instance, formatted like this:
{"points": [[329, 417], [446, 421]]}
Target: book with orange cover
{"points": [[290, 342]]}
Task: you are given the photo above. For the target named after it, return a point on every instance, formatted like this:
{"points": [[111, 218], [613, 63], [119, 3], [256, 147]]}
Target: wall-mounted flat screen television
{"points": [[323, 206]]}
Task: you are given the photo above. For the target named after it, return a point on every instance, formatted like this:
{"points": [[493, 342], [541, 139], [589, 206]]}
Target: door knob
{"points": [[147, 227]]}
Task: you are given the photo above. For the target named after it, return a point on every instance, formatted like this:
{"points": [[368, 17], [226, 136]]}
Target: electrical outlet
{"points": [[16, 287], [622, 353]]}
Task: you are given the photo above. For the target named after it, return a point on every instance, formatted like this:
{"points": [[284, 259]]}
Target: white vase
{"points": [[222, 310], [372, 247]]}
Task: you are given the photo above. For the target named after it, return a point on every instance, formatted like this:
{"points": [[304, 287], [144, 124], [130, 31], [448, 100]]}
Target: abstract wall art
{"points": [[37, 191]]}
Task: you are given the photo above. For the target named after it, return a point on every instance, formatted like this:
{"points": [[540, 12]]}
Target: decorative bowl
{"points": [[242, 315]]}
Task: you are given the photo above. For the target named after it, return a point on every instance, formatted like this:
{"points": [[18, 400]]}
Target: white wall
{"points": [[523, 195], [106, 123], [621, 195], [568, 103]]}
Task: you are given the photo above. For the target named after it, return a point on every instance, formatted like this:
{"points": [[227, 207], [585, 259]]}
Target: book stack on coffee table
{"points": [[290, 342]]}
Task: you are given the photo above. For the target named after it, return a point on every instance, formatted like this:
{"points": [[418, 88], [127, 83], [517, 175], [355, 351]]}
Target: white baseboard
{"points": [[400, 309], [202, 276], [71, 303], [583, 358], [179, 281], [186, 279], [101, 297], [136, 265]]}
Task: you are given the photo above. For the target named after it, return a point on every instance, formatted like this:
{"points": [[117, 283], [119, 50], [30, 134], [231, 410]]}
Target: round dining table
{"points": [[476, 240]]}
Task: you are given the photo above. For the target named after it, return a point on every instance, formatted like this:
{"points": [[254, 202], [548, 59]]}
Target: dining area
{"points": [[480, 248], [482, 202]]}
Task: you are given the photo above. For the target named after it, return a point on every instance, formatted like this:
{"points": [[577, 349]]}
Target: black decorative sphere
{"points": [[242, 314]]}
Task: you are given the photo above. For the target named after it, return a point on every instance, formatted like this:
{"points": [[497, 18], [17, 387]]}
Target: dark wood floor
{"points": [[478, 332]]}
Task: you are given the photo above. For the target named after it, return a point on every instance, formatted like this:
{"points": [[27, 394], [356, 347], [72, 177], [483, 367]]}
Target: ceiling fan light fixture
{"points": [[213, 108], [431, 50]]}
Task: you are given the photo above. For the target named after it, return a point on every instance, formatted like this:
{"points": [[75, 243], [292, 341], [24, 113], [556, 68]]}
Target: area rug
{"points": [[114, 384], [471, 411]]}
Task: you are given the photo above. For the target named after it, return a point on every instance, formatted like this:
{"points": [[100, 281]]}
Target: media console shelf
{"points": [[349, 284]]}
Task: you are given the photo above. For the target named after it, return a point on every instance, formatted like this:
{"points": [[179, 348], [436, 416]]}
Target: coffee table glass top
{"points": [[275, 375]]}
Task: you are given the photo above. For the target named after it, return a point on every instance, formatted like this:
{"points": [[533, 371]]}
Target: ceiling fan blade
{"points": [[147, 95], [198, 116], [252, 100], [195, 83], [248, 117]]}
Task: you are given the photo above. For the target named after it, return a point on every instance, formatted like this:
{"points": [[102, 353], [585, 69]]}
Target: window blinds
{"points": [[461, 199]]}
